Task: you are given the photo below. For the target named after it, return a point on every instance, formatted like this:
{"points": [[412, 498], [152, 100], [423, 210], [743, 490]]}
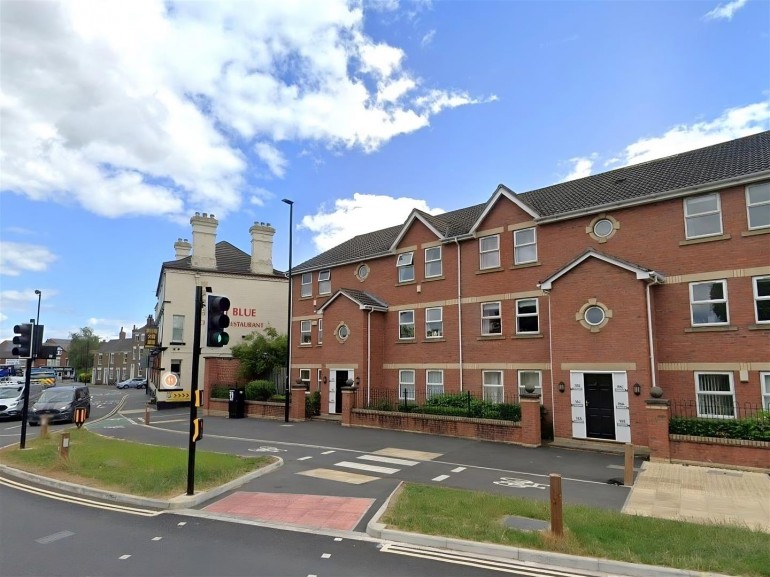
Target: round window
{"points": [[594, 315], [603, 228], [343, 332], [362, 272]]}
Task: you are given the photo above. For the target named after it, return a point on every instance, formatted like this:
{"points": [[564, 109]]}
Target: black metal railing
{"points": [[720, 416]]}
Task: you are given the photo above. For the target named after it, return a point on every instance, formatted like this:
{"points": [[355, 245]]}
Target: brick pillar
{"points": [[297, 407], [348, 404], [530, 419], [658, 416]]}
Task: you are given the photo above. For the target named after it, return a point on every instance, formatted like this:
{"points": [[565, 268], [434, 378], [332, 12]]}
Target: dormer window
{"points": [[324, 282], [405, 266], [433, 262], [702, 216], [306, 289], [524, 246]]}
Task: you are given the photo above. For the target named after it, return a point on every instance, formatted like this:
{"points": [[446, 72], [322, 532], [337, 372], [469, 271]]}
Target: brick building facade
{"points": [[597, 291]]}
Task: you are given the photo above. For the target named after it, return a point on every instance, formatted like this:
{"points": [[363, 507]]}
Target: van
{"points": [[11, 400], [42, 376], [59, 404]]}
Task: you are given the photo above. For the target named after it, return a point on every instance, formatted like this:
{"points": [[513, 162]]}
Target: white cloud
{"points": [[725, 11], [159, 105], [16, 258], [428, 38], [581, 167], [351, 217]]}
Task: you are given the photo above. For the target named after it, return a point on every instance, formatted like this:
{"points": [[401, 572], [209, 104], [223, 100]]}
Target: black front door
{"points": [[600, 406], [341, 377]]}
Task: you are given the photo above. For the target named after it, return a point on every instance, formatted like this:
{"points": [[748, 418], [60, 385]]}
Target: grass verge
{"points": [[126, 467], [589, 531]]}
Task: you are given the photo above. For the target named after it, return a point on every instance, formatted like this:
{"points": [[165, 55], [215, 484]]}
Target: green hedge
{"points": [[755, 428], [313, 404], [259, 390], [220, 392]]}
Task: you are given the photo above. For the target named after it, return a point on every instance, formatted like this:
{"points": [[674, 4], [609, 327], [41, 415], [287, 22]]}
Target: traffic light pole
{"points": [[193, 388], [27, 371]]}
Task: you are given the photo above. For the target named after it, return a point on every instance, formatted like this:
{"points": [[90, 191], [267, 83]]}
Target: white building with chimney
{"points": [[258, 299]]}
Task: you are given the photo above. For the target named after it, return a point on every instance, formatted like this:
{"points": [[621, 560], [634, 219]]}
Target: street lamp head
{"points": [[37, 291], [287, 201]]}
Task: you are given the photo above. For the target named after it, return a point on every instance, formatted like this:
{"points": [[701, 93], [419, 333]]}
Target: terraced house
{"points": [[596, 292]]}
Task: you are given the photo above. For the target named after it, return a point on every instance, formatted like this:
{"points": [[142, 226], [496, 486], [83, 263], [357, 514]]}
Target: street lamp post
{"points": [[39, 296], [288, 321]]}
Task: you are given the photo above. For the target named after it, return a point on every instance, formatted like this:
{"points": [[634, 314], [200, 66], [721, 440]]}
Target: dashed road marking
{"points": [[328, 452], [440, 478], [304, 458], [124, 557], [326, 555], [54, 537], [458, 469]]}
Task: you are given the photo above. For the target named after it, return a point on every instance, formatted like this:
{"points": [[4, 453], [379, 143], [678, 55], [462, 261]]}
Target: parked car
{"points": [[135, 383], [59, 404], [11, 400]]}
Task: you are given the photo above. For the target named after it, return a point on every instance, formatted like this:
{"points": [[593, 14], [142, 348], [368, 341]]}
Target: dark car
{"points": [[59, 404]]}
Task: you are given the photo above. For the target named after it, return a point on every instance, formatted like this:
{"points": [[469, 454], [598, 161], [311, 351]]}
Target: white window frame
{"points": [[488, 318], [520, 246], [688, 218], [434, 325], [437, 386], [406, 324], [324, 282], [520, 315], [404, 265], [710, 302], [489, 251], [750, 205], [764, 383], [433, 262], [498, 389], [405, 384], [306, 285], [702, 411], [538, 386], [304, 376], [319, 378], [305, 338], [177, 328], [320, 331], [757, 298]]}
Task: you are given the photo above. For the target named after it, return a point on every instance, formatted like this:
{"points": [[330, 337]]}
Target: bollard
{"points": [[557, 519], [147, 415], [44, 427], [628, 469], [64, 446]]}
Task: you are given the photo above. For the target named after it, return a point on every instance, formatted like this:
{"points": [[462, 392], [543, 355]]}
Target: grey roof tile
{"points": [[230, 259]]}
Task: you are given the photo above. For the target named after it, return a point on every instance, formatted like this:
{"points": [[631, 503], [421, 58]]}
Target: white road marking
{"points": [[519, 483], [154, 422], [341, 476], [458, 469], [390, 460], [304, 458], [55, 537], [371, 468], [441, 478], [124, 557], [326, 555], [268, 450], [157, 538], [338, 538], [181, 524], [328, 452]]}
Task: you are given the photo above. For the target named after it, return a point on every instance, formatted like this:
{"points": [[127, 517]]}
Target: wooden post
{"points": [[147, 415], [44, 427], [628, 470], [557, 520], [64, 446]]}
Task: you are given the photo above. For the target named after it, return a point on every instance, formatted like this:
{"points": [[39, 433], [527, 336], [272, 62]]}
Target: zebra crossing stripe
{"points": [[390, 460], [371, 468]]}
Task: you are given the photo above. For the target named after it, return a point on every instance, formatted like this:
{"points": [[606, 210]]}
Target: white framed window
{"points": [[434, 322], [406, 384], [492, 386], [702, 215], [433, 262], [306, 288], [524, 246], [764, 381], [177, 328], [320, 331], [405, 266], [324, 282], [406, 324], [491, 321], [715, 395], [304, 332], [319, 378], [533, 378], [489, 251], [527, 318], [304, 376], [761, 298], [434, 383], [708, 303], [758, 205]]}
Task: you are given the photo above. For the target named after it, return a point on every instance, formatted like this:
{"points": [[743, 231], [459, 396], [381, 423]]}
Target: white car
{"points": [[11, 400], [135, 383]]}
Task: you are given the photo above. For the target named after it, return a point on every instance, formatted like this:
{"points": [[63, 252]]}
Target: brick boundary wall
{"points": [[700, 450]]}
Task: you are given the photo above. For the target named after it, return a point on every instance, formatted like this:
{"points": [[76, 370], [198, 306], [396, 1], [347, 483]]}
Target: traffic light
{"points": [[23, 339], [217, 321]]}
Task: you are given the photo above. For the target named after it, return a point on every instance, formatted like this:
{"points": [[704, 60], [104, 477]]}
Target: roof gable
{"points": [[502, 191], [363, 299], [415, 215], [640, 272]]}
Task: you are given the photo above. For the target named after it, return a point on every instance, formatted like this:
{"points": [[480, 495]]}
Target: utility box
{"points": [[236, 406]]}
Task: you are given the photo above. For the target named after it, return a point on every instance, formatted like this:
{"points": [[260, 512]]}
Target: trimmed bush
{"points": [[754, 428], [259, 391], [220, 392], [313, 404]]}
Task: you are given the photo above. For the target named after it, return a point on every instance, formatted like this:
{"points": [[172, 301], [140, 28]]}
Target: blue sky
{"points": [[119, 120]]}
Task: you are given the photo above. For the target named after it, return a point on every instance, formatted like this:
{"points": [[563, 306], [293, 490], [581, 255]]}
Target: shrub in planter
{"points": [[259, 390], [754, 428], [220, 392], [313, 404]]}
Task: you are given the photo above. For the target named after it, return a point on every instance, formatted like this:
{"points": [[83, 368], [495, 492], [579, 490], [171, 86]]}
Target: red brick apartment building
{"points": [[597, 291]]}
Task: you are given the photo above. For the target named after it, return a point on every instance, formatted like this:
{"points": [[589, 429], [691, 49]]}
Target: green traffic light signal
{"points": [[217, 321]]}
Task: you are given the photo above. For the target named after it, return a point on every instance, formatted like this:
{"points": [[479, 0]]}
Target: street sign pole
{"points": [[27, 371], [196, 353]]}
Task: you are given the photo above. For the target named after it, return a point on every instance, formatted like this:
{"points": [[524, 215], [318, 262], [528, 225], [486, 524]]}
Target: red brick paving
{"points": [[314, 511]]}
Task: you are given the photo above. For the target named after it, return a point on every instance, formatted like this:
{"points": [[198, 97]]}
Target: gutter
{"points": [[459, 313], [654, 279]]}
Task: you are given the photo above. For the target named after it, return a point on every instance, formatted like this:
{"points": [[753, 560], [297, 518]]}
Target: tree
{"points": [[260, 353], [83, 345]]}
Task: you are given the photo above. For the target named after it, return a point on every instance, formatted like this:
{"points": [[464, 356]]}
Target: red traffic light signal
{"points": [[23, 339], [217, 321]]}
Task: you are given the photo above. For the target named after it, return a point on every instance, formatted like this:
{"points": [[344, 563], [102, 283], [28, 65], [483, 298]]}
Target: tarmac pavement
{"points": [[698, 494]]}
